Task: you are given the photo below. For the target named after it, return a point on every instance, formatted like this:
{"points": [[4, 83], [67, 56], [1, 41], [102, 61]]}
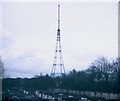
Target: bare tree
{"points": [[102, 69]]}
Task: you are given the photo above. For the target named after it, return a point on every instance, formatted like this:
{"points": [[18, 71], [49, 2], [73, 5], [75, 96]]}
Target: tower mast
{"points": [[58, 68]]}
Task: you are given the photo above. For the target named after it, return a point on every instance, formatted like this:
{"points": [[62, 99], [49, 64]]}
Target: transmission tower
{"points": [[58, 68]]}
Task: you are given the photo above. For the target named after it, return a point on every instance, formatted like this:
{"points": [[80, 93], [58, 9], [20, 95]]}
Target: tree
{"points": [[100, 72], [2, 70], [116, 74]]}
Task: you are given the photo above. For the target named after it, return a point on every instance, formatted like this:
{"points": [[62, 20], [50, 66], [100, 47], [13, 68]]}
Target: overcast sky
{"points": [[88, 30]]}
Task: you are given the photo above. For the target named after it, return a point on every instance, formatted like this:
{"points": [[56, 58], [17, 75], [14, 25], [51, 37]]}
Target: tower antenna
{"points": [[58, 68]]}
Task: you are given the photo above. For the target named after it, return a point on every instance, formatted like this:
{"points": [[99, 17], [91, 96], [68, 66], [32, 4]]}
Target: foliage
{"points": [[2, 70], [101, 76]]}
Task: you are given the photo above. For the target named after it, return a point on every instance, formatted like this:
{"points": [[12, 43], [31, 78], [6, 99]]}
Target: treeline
{"points": [[101, 76]]}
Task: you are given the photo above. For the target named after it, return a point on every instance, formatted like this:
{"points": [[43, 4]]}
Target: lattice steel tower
{"points": [[58, 68]]}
